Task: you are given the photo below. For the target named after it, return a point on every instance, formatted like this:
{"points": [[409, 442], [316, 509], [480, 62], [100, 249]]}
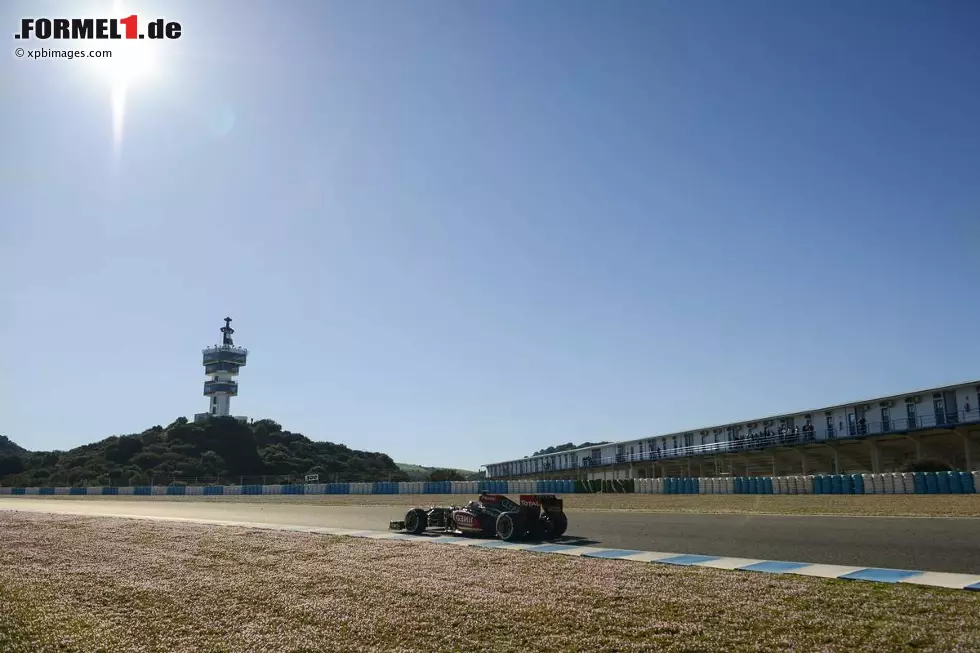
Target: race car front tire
{"points": [[510, 526], [416, 521]]}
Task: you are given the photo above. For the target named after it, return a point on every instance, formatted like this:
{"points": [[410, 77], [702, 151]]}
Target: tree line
{"points": [[567, 447], [217, 448]]}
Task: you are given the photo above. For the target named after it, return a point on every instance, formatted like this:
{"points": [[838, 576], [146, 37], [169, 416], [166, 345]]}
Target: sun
{"points": [[130, 64], [127, 64]]}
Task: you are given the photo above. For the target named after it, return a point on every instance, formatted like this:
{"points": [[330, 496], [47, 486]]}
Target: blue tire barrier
{"points": [[858, 482], [175, 490], [754, 485], [252, 489], [112, 491], [942, 483], [144, 491], [45, 490], [835, 485], [18, 490], [293, 489], [696, 486], [737, 485], [78, 491], [919, 479], [932, 486], [768, 485], [954, 482], [214, 490], [846, 484], [966, 478]]}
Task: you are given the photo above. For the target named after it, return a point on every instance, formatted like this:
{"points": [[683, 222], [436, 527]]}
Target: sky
{"points": [[460, 232]]}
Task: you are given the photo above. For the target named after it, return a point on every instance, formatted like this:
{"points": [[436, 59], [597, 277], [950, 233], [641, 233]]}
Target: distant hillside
{"points": [[11, 457], [9, 447], [567, 447], [218, 448], [420, 473]]}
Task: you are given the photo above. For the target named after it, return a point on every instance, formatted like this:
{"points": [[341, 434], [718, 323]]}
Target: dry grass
{"points": [[71, 584], [947, 505]]}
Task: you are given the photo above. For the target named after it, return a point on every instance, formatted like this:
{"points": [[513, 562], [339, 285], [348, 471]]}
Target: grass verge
{"points": [[73, 584]]}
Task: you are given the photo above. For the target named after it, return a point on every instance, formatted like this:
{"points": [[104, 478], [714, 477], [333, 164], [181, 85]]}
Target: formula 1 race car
{"points": [[537, 516]]}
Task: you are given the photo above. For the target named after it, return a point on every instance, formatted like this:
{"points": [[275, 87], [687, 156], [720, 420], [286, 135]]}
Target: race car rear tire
{"points": [[510, 526], [416, 521], [559, 524], [550, 526]]}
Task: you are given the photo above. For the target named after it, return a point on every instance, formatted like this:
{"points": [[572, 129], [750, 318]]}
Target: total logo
{"points": [[71, 29]]}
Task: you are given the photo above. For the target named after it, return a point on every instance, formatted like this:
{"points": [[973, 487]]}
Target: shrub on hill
{"points": [[218, 448], [568, 446]]}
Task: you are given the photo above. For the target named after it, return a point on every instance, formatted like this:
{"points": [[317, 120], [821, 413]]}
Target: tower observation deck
{"points": [[222, 363]]}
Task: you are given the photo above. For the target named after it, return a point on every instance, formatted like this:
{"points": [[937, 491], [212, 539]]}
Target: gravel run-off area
{"points": [[74, 584], [898, 505]]}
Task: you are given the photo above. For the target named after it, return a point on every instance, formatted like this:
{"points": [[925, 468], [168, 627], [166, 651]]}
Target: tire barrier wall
{"points": [[409, 487], [894, 483], [904, 483]]}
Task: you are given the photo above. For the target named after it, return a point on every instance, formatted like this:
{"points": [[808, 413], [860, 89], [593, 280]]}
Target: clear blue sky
{"points": [[457, 232]]}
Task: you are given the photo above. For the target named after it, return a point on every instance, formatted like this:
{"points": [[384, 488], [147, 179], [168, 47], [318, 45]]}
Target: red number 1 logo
{"points": [[130, 23]]}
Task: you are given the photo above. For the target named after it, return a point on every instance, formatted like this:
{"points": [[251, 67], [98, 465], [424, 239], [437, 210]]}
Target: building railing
{"points": [[223, 366], [752, 441], [225, 348], [221, 386], [225, 354]]}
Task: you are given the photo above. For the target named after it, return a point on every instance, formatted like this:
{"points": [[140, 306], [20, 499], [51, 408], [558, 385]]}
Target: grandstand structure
{"points": [[874, 436]]}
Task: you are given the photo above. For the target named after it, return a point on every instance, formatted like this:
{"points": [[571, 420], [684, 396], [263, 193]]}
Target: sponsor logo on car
{"points": [[464, 519]]}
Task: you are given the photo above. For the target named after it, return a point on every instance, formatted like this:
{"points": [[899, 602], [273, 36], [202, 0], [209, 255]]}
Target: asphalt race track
{"points": [[932, 544]]}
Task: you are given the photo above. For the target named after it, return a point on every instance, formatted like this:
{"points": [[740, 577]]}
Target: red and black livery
{"points": [[535, 516]]}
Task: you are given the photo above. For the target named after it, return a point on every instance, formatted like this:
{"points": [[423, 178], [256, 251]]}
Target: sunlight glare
{"points": [[131, 62]]}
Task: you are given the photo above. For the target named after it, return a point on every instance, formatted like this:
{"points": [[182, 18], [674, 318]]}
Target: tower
{"points": [[221, 363]]}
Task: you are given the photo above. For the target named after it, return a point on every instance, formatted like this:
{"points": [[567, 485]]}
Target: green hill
{"points": [[567, 447], [10, 448], [218, 448], [420, 473]]}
